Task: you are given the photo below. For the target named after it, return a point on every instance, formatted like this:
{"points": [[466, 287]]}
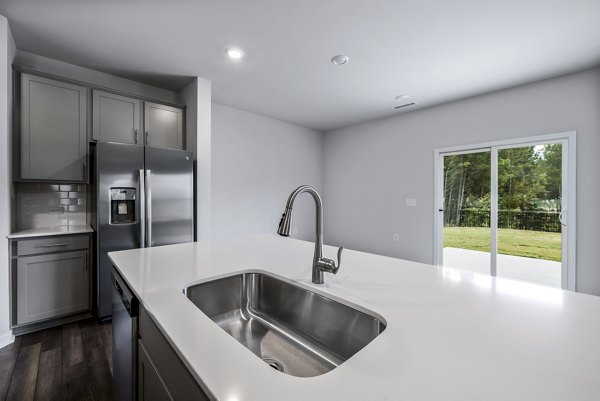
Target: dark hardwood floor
{"points": [[70, 362]]}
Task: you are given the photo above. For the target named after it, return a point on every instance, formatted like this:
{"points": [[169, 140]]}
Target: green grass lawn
{"points": [[532, 244]]}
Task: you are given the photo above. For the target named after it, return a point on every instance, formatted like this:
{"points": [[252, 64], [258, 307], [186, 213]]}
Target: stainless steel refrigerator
{"points": [[144, 197]]}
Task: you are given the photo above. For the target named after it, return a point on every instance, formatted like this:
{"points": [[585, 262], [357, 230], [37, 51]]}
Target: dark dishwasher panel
{"points": [[124, 335]]}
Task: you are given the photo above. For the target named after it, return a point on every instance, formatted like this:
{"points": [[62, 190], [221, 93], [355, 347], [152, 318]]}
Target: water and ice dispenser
{"points": [[122, 205]]}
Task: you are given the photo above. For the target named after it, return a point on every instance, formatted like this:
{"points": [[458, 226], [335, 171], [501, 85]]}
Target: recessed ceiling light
{"points": [[340, 59], [235, 53]]}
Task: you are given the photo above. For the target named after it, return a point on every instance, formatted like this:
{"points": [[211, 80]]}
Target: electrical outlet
{"points": [[295, 231], [397, 237], [411, 202]]}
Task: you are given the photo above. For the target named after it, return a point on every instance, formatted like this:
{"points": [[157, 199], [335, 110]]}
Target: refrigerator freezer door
{"points": [[117, 166], [170, 196]]}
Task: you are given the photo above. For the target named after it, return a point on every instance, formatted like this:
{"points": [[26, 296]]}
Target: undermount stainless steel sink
{"points": [[293, 329]]}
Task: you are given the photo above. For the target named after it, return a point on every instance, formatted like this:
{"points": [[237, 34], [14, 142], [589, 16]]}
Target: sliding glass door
{"points": [[503, 210], [531, 194], [466, 210]]}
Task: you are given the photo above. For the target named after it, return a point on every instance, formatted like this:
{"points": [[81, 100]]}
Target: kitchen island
{"points": [[450, 335]]}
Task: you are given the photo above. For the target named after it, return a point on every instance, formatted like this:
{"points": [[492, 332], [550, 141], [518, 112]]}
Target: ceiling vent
{"points": [[405, 101]]}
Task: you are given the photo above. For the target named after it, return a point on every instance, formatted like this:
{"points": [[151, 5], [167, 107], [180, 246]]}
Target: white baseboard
{"points": [[6, 339]]}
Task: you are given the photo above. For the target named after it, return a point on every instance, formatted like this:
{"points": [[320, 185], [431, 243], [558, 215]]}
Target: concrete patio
{"points": [[532, 270]]}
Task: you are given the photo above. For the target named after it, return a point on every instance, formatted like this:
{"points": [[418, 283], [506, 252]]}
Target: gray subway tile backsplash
{"points": [[67, 202], [50, 205]]}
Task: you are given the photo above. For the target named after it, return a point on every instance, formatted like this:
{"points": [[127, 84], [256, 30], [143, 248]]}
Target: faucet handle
{"points": [[339, 258], [328, 265]]}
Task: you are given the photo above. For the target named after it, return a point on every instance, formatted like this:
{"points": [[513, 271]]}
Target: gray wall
{"points": [[7, 54], [373, 167], [203, 107], [189, 96], [197, 96], [256, 162]]}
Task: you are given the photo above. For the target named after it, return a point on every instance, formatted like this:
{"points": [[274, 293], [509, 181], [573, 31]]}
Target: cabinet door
{"points": [[173, 372], [163, 125], [116, 118], [53, 130], [52, 285], [150, 386]]}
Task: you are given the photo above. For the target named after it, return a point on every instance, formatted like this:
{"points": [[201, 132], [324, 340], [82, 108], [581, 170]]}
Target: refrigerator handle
{"points": [[149, 207], [142, 212]]}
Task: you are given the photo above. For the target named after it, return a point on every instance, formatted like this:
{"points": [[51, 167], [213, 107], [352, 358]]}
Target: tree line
{"points": [[529, 179]]}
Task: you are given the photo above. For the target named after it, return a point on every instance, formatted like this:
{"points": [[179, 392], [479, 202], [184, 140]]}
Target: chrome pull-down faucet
{"points": [[320, 264]]}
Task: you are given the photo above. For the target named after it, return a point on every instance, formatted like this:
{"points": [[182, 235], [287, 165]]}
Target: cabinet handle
{"points": [[51, 245], [147, 137], [135, 136], [84, 172]]}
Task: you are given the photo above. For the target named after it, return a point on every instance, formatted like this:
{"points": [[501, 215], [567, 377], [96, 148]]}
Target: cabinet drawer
{"points": [[52, 244]]}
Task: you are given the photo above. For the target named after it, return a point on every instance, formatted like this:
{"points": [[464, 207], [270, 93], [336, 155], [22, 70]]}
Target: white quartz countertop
{"points": [[51, 231], [451, 335]]}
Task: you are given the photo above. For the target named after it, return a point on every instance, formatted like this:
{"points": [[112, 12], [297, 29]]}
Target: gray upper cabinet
{"points": [[53, 130], [163, 126], [116, 118]]}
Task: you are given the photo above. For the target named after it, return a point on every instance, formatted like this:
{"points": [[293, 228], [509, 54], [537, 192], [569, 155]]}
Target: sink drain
{"points": [[275, 364]]}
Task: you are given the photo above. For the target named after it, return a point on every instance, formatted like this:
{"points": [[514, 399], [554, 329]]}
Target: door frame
{"points": [[569, 176]]}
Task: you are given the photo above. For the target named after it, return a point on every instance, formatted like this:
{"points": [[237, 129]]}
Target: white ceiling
{"points": [[433, 50]]}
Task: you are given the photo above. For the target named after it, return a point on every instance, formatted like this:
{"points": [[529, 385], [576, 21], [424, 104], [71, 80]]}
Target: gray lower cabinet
{"points": [[116, 118], [50, 281], [51, 285], [162, 375], [163, 126], [151, 386], [53, 134]]}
